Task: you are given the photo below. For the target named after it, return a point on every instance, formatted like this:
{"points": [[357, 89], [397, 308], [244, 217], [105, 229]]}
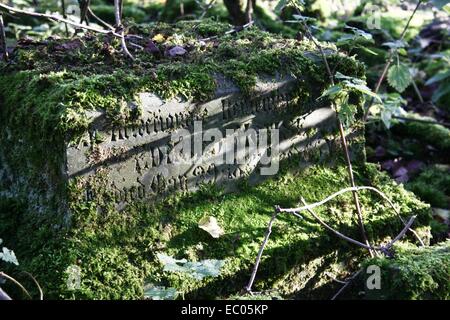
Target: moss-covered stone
{"points": [[46, 95], [116, 251], [429, 133], [414, 273]]}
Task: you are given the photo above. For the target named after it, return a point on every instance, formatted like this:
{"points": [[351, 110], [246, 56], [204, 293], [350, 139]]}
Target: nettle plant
{"points": [[340, 93], [341, 87]]}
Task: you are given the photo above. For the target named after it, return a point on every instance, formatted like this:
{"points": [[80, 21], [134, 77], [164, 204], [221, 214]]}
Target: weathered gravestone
{"points": [[180, 145], [170, 144], [89, 141]]}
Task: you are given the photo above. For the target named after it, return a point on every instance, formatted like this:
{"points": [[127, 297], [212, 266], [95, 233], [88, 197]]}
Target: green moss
{"points": [[116, 250], [433, 134], [432, 186], [65, 79], [414, 273]]}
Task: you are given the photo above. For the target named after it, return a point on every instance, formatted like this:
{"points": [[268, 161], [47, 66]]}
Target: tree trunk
{"points": [[240, 10]]}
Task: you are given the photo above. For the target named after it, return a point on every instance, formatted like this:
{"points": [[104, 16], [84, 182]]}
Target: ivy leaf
{"points": [[170, 264], [399, 77], [8, 256], [205, 268], [197, 270], [160, 293]]}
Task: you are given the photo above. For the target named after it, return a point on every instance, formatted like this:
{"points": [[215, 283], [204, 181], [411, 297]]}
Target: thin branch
{"points": [[4, 295], [41, 293], [236, 29], [63, 11], [3, 39], [84, 5], [337, 233], [249, 11], [389, 61], [119, 26], [347, 283], [345, 190], [261, 249], [206, 8], [401, 234], [343, 138], [101, 21], [4, 275], [54, 17]]}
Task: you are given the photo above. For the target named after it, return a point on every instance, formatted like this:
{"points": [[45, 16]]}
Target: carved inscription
{"points": [[235, 137]]}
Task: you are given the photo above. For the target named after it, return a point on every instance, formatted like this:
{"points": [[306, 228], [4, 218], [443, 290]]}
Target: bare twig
{"points": [[4, 275], [337, 233], [41, 293], [389, 61], [343, 138], [3, 39], [101, 21], [401, 234], [352, 189], [385, 251], [417, 91], [206, 8], [84, 5], [261, 249], [236, 29], [54, 17], [346, 284], [119, 26], [63, 11]]}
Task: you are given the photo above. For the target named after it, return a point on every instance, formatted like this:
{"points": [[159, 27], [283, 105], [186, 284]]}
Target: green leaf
{"points": [[346, 113], [399, 77], [205, 268], [443, 90], [392, 106], [8, 256], [363, 89], [332, 91], [367, 50]]}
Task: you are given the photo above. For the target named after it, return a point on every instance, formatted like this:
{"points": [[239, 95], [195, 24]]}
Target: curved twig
{"points": [[117, 14], [101, 21], [41, 293], [352, 189], [261, 249], [346, 284], [4, 275]]}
